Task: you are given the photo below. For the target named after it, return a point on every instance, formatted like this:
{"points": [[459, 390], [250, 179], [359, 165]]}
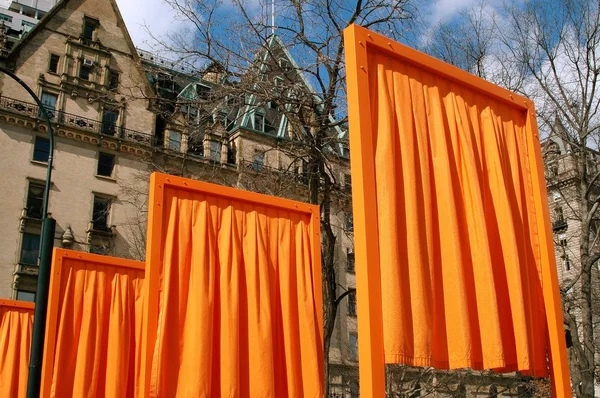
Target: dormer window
{"points": [[89, 28], [203, 92], [113, 80], [259, 122], [284, 64]]}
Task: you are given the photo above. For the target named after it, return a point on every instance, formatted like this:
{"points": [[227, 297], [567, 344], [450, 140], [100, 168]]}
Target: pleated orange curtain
{"points": [[237, 314], [16, 326], [459, 249], [94, 327]]}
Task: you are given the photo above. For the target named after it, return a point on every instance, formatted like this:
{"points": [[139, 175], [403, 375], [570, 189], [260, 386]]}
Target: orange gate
{"points": [[454, 255]]}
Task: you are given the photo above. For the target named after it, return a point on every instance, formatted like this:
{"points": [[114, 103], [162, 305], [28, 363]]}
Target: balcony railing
{"points": [[559, 224], [82, 123]]}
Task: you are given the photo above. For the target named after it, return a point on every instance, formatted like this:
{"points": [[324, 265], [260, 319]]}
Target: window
{"points": [[99, 249], [354, 389], [203, 92], [113, 80], [259, 122], [461, 390], [284, 65], [85, 71], [493, 391], [303, 172], [106, 164], [558, 212], [416, 391], [350, 261], [523, 392], [215, 151], [353, 346], [259, 162], [25, 296], [352, 304], [562, 239], [6, 18], [89, 27], [109, 122], [30, 249], [35, 200], [556, 196], [41, 149], [174, 141], [232, 154], [277, 85], [196, 146], [49, 101], [349, 222], [348, 183], [345, 150], [101, 213], [566, 263], [53, 66]]}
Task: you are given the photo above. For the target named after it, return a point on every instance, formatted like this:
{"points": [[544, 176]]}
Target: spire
{"points": [[273, 17]]}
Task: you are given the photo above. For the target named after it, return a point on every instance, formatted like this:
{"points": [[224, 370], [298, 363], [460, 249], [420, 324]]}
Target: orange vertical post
{"points": [[559, 361], [153, 251], [364, 203]]}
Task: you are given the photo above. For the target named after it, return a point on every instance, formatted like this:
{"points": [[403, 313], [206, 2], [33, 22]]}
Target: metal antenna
{"points": [[273, 17]]}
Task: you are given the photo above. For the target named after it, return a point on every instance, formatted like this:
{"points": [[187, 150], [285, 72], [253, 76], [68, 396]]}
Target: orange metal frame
{"points": [[21, 305], [159, 184], [359, 42], [53, 302]]}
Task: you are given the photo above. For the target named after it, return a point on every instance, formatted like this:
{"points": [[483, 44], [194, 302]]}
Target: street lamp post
{"points": [[46, 245]]}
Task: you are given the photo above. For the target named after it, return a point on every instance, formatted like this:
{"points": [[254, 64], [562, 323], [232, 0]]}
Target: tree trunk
{"points": [[586, 362]]}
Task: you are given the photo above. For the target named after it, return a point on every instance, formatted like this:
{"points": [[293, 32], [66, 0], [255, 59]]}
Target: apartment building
{"points": [[561, 159], [20, 16]]}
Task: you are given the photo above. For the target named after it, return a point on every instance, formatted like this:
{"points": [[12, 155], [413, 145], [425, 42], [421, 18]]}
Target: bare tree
{"points": [[550, 52], [238, 36]]}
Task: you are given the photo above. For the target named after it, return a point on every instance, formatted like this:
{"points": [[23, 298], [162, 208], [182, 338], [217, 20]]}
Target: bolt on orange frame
{"points": [[361, 44]]}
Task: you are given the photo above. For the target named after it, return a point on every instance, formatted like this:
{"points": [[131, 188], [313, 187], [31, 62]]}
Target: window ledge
{"points": [[105, 178], [39, 163]]}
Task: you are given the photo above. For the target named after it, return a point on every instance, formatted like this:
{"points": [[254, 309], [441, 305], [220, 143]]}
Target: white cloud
{"points": [[153, 14], [444, 10]]}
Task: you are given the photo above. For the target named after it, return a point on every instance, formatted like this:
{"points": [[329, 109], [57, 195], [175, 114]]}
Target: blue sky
{"points": [[153, 13], [159, 16]]}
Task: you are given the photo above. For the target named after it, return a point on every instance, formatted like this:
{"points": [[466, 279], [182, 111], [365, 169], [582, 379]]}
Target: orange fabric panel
{"points": [[16, 327], [96, 329], [237, 313], [459, 249]]}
